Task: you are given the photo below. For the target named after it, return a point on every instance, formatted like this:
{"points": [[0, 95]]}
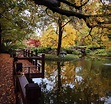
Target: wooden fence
{"points": [[26, 91]]}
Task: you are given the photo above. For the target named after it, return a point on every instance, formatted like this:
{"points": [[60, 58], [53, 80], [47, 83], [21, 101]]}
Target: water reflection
{"points": [[85, 81]]}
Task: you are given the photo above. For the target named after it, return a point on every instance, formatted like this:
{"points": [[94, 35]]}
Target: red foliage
{"points": [[34, 42]]}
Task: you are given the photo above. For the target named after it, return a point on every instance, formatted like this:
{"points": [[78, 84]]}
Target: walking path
{"points": [[6, 80], [7, 95]]}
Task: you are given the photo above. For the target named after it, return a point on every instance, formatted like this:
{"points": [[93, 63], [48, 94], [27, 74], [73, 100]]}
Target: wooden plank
{"points": [[35, 75], [28, 58], [22, 82], [30, 92]]}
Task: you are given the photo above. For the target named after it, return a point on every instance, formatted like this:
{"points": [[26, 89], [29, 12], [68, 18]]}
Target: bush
{"points": [[42, 50], [87, 51], [99, 52], [76, 52], [4, 49], [73, 51], [68, 51], [109, 53]]}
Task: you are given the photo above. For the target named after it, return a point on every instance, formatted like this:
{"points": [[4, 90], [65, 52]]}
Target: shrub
{"points": [[68, 51], [4, 49], [109, 53], [87, 51], [77, 53], [42, 50], [99, 52]]}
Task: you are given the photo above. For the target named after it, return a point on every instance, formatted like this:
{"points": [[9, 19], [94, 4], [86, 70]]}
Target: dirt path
{"points": [[6, 80], [7, 95]]}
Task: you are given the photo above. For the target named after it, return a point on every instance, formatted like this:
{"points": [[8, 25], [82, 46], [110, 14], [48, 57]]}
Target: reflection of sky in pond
{"points": [[78, 78], [78, 69], [107, 64], [50, 83], [70, 76]]}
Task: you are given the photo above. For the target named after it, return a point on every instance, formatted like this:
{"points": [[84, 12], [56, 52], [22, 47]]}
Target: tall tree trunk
{"points": [[59, 82], [0, 39], [60, 37]]}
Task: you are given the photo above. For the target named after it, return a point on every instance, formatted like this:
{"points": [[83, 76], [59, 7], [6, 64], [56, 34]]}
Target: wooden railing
{"points": [[37, 60], [27, 91], [39, 66]]}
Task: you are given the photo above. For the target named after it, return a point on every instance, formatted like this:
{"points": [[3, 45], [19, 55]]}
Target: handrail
{"points": [[40, 66], [30, 92]]}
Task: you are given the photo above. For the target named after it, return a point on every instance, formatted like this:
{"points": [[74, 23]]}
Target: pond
{"points": [[84, 81]]}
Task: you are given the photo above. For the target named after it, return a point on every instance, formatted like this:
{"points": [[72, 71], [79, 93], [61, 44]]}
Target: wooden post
{"points": [[43, 64], [36, 54], [38, 65], [28, 53], [18, 67], [14, 70], [24, 53], [31, 54], [14, 61], [33, 93], [33, 61], [14, 53], [30, 92]]}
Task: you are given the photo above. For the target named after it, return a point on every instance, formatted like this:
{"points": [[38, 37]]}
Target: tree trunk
{"points": [[60, 37], [59, 82], [0, 39]]}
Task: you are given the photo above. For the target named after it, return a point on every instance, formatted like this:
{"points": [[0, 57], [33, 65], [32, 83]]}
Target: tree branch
{"points": [[54, 5], [73, 5]]}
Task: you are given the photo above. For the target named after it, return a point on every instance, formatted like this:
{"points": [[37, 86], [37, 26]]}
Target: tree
{"points": [[17, 22], [90, 12], [60, 36], [0, 39], [49, 38], [55, 6], [33, 43], [69, 36]]}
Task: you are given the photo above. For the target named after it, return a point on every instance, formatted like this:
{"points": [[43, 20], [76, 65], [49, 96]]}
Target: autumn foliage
{"points": [[50, 37], [33, 43]]}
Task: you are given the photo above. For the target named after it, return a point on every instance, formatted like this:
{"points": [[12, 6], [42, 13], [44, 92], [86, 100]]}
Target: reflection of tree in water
{"points": [[106, 71], [90, 88]]}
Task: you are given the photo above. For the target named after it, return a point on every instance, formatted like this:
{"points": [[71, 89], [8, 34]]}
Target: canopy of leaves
{"points": [[91, 18], [17, 21], [33, 43], [93, 12], [50, 37]]}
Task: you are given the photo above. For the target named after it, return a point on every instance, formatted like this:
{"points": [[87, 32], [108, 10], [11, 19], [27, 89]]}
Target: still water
{"points": [[84, 81]]}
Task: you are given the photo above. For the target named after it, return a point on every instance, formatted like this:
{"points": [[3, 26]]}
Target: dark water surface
{"points": [[84, 81]]}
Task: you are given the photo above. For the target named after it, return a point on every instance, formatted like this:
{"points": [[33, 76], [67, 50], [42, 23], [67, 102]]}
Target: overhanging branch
{"points": [[54, 5], [74, 5]]}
